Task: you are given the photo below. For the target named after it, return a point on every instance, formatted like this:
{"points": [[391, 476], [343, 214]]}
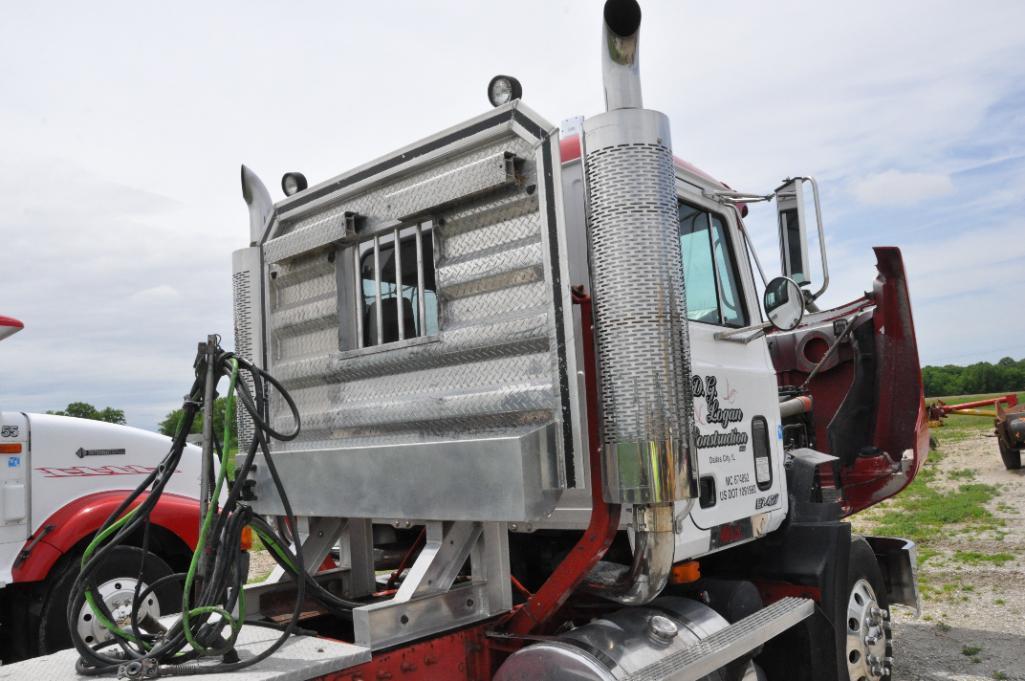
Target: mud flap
{"points": [[898, 561]]}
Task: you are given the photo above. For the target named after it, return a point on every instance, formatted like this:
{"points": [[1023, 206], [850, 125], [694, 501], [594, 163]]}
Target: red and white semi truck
{"points": [[534, 365], [546, 352], [60, 477]]}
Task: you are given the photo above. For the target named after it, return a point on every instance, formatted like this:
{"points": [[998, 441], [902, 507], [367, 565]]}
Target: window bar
{"points": [[377, 290], [360, 297], [420, 303], [715, 269], [398, 283]]}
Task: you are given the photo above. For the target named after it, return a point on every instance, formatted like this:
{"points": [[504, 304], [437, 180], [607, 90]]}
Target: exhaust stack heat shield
{"points": [[639, 307]]}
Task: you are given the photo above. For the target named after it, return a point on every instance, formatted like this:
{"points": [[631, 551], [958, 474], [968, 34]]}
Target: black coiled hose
{"points": [[198, 638]]}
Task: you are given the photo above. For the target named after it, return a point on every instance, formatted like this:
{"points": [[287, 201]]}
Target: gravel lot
{"points": [[260, 565], [973, 616]]}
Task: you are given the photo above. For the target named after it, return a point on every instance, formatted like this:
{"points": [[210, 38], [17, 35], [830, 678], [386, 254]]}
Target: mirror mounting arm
{"points": [[754, 331], [733, 197]]}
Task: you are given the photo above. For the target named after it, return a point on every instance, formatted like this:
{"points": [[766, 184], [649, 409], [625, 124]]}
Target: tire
{"points": [[15, 605], [869, 639], [1011, 457], [115, 579]]}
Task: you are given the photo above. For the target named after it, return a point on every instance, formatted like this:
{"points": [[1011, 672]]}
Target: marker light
{"points": [[246, 538], [504, 89], [293, 183]]}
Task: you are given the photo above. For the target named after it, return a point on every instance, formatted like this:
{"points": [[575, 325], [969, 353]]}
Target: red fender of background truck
{"points": [[82, 517]]}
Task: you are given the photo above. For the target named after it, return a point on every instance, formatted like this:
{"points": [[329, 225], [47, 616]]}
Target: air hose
{"points": [[213, 606]]}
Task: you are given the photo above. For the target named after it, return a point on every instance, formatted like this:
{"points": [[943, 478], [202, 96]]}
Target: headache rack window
{"points": [[397, 297]]}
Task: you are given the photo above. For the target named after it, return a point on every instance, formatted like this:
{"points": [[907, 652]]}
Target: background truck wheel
{"points": [[116, 581], [869, 647], [1011, 457]]}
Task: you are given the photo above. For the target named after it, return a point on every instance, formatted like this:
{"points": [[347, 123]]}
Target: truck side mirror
{"points": [[793, 238], [784, 303], [793, 232]]}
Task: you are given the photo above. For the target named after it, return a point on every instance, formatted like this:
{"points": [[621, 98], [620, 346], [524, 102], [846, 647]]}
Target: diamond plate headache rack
{"points": [[479, 396]]}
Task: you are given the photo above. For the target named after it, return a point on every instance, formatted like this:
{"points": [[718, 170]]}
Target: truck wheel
{"points": [[869, 637], [116, 580], [1011, 457]]}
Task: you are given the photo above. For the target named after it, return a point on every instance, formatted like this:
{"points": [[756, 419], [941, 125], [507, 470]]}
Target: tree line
{"points": [[170, 423], [84, 410], [168, 426], [1006, 376]]}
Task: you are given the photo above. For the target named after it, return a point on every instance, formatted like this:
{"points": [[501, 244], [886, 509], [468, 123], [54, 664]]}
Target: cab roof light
{"points": [[504, 89], [293, 183]]}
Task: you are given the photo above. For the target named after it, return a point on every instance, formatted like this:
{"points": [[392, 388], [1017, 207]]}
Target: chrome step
{"points": [[726, 645]]}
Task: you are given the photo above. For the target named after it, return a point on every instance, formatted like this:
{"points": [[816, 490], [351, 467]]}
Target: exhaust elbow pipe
{"points": [[646, 577], [620, 67]]}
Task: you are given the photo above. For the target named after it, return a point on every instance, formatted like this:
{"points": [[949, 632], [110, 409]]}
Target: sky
{"points": [[123, 125]]}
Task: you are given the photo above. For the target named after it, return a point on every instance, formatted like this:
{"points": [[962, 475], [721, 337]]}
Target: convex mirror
{"points": [[784, 303]]}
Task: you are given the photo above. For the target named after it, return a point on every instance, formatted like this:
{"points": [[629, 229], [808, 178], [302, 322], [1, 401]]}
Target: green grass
{"points": [[925, 553], [922, 512], [971, 651], [976, 558], [925, 510], [939, 507]]}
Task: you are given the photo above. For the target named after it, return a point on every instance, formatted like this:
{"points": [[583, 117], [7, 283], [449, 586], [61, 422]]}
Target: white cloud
{"points": [[158, 295], [894, 187]]}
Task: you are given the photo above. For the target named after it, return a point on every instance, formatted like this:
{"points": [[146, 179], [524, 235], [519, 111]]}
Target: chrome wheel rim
{"points": [[867, 634], [117, 595]]}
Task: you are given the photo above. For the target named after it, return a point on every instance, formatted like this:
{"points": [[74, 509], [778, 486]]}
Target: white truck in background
{"points": [[60, 477]]}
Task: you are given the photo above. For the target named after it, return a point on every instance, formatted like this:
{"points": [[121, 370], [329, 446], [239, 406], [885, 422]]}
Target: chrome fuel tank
{"points": [[619, 646]]}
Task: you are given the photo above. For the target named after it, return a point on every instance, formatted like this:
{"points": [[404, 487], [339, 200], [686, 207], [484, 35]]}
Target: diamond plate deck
{"points": [[301, 658]]}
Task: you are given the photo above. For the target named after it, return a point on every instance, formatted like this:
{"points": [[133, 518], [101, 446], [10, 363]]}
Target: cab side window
{"points": [[710, 273]]}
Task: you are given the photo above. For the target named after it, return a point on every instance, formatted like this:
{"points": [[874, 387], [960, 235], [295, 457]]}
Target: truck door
{"points": [[738, 456]]}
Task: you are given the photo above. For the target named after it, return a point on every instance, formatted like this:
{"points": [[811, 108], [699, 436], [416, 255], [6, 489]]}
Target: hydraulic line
{"points": [[213, 603]]}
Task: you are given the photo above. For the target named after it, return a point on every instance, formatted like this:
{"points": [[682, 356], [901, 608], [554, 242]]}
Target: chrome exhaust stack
{"points": [[621, 75], [640, 312]]}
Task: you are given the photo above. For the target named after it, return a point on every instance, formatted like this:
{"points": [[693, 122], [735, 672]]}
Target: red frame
{"points": [[462, 655], [604, 523]]}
